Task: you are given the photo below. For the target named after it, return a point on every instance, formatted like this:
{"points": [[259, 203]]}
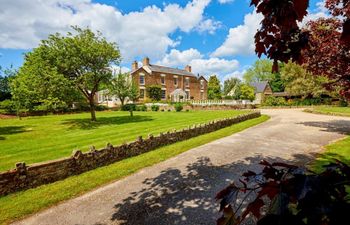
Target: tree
{"points": [[298, 81], [38, 86], [327, 56], [120, 86], [5, 76], [247, 92], [134, 92], [280, 37], [154, 92], [232, 87], [214, 89], [83, 58], [261, 71]]}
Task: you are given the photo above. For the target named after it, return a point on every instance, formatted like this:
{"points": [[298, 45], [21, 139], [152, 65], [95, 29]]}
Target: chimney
{"points": [[145, 61], [134, 66], [188, 68]]}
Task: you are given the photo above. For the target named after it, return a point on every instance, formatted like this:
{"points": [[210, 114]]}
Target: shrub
{"points": [[178, 107], [101, 108], [343, 103], [289, 195], [142, 108], [154, 92], [155, 108], [275, 101], [169, 110], [162, 110], [8, 105], [129, 107]]}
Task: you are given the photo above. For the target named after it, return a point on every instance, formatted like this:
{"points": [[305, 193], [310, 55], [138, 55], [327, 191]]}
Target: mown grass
{"points": [[18, 205], [339, 150], [37, 139], [330, 110]]}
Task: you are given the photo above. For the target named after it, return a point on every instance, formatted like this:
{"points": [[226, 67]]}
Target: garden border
{"points": [[24, 177]]}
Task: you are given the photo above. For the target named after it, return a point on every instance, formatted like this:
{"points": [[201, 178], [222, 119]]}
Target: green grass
{"points": [[18, 205], [339, 150], [37, 139], [330, 110]]}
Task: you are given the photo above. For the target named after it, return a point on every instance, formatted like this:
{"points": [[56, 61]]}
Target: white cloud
{"points": [[209, 26], [225, 1], [144, 32], [321, 11], [235, 74], [200, 65], [240, 39]]}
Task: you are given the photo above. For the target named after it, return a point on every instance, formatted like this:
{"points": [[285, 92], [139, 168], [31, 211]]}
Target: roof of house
{"points": [[163, 69], [259, 86]]}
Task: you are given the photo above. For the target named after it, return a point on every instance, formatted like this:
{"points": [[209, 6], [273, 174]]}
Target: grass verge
{"points": [[339, 150], [330, 110], [18, 205]]}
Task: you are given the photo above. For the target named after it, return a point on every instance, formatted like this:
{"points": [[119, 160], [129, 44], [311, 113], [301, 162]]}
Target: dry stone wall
{"points": [[25, 177]]}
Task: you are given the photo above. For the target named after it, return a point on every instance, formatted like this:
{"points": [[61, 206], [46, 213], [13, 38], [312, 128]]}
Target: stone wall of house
{"points": [[25, 177]]}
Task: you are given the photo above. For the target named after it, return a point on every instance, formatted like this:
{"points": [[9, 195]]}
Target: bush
{"points": [[178, 107], [101, 108], [343, 103], [169, 110], [155, 108], [8, 106], [142, 108], [275, 101], [129, 107], [154, 92]]}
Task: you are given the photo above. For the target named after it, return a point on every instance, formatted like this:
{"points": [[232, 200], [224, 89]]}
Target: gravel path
{"points": [[181, 190]]}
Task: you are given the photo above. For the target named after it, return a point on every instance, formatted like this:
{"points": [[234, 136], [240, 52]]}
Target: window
{"points": [[202, 84], [188, 94], [175, 81], [162, 79], [202, 95], [142, 93], [142, 79], [187, 82], [163, 94]]}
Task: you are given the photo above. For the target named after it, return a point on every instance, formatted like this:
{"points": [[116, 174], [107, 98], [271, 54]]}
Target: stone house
{"points": [[176, 84], [262, 90]]}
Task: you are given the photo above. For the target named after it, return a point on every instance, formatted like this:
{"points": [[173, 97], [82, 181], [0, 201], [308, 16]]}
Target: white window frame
{"points": [[144, 91], [177, 81], [187, 81], [202, 84], [164, 89], [162, 78]]}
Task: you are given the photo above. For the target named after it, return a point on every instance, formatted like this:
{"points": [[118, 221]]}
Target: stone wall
{"points": [[25, 177]]}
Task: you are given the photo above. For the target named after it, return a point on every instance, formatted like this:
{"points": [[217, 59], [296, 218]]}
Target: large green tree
{"points": [[262, 71], [299, 81], [82, 59], [5, 76], [232, 87], [214, 88], [247, 92]]}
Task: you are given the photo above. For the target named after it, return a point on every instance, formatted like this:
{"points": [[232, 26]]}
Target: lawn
{"points": [[37, 139], [329, 110], [339, 150], [20, 204]]}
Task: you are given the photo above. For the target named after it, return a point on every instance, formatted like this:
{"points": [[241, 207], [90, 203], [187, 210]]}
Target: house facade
{"points": [[262, 90], [176, 84]]}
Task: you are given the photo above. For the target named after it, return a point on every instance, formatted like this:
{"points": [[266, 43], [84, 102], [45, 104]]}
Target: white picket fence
{"points": [[222, 102]]}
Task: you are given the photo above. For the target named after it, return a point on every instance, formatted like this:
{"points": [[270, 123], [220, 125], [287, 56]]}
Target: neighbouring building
{"points": [[177, 84], [262, 90]]}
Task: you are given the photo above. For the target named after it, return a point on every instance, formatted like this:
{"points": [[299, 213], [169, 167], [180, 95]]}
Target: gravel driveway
{"points": [[181, 190]]}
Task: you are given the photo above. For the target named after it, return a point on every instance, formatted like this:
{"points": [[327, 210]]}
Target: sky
{"points": [[213, 36]]}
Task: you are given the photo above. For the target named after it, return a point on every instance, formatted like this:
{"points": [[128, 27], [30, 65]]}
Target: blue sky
{"points": [[214, 36]]}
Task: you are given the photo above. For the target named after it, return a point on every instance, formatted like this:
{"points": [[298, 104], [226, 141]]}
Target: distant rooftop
{"points": [[164, 69], [259, 86]]}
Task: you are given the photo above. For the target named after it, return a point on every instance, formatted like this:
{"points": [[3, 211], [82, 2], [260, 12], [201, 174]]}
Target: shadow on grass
{"points": [[8, 130], [87, 124], [336, 126], [187, 196]]}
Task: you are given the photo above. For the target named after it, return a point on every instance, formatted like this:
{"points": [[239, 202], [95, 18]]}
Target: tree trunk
{"points": [[92, 109]]}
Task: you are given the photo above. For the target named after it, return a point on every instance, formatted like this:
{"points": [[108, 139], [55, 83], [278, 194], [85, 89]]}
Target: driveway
{"points": [[181, 190]]}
